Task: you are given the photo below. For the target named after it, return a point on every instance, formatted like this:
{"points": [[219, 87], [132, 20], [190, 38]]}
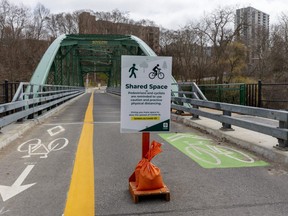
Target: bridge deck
{"points": [[38, 170]]}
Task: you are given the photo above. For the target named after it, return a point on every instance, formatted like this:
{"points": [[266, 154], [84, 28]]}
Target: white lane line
{"points": [[77, 123], [67, 123]]}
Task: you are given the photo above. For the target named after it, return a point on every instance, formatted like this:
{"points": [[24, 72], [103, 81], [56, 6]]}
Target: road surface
{"points": [[37, 170]]}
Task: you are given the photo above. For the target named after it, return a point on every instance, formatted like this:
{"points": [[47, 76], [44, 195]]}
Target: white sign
{"points": [[145, 93]]}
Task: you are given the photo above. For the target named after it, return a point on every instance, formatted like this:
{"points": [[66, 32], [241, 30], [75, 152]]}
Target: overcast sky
{"points": [[171, 14]]}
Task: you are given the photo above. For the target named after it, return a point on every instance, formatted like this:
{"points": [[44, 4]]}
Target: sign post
{"points": [[145, 104], [145, 143]]}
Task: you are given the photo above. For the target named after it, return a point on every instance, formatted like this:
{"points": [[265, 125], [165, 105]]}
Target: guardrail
{"points": [[226, 118], [31, 99], [196, 100]]}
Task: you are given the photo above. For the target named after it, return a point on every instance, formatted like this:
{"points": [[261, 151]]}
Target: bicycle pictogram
{"points": [[156, 73], [209, 154], [35, 147], [203, 150]]}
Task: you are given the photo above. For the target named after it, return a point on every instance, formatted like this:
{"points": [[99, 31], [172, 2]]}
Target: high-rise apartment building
{"points": [[254, 33]]}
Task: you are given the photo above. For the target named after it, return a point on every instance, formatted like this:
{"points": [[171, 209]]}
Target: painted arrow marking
{"points": [[3, 211], [8, 192]]}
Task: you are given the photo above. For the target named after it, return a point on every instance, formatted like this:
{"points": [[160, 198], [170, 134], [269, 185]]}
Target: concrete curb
{"points": [[12, 132], [258, 143]]}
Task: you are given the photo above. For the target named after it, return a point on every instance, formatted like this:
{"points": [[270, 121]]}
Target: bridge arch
{"points": [[70, 57]]}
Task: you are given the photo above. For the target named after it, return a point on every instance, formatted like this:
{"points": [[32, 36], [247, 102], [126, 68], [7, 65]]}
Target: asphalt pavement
{"points": [[195, 190]]}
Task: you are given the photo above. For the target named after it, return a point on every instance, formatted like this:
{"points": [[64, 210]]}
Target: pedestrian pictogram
{"points": [[132, 70]]}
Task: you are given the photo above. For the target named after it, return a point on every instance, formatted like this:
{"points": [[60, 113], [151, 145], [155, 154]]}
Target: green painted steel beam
{"points": [[102, 67], [69, 57], [41, 73], [95, 58], [98, 71], [69, 43]]}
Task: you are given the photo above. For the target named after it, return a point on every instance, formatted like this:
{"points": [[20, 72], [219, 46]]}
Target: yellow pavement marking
{"points": [[80, 199]]}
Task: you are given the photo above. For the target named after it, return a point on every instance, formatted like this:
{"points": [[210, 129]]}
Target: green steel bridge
{"points": [[60, 74], [70, 57]]}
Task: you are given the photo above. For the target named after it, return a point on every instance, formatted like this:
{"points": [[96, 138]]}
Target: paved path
{"points": [[194, 190]]}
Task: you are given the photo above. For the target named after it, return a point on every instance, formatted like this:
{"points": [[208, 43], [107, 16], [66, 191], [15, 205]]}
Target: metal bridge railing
{"points": [[31, 99], [192, 102], [234, 93], [194, 90], [280, 132]]}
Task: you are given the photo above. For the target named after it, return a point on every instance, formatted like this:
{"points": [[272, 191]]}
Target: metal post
{"points": [[219, 89], [6, 91], [225, 126], [145, 143], [243, 94], [283, 144], [41, 95], [259, 93], [194, 116], [31, 96]]}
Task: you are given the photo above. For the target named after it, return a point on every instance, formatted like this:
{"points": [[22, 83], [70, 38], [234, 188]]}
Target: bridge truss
{"points": [[70, 57]]}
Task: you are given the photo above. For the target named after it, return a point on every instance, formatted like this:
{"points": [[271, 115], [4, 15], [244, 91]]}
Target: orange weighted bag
{"points": [[137, 170], [148, 176]]}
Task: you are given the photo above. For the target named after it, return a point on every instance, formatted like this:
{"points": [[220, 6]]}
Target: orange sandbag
{"points": [[137, 170], [148, 176], [154, 150]]}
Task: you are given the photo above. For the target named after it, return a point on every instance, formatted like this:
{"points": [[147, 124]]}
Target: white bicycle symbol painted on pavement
{"points": [[207, 153], [202, 150], [36, 147]]}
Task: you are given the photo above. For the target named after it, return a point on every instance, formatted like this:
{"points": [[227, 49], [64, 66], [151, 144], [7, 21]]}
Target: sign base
{"points": [[148, 193]]}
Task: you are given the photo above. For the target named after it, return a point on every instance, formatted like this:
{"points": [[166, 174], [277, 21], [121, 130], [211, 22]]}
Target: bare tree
{"points": [[52, 26], [236, 60], [279, 50], [218, 28], [17, 21], [116, 16], [169, 47], [4, 14], [38, 25]]}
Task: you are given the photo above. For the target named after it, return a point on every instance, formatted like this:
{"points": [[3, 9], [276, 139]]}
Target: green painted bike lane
{"points": [[209, 155]]}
